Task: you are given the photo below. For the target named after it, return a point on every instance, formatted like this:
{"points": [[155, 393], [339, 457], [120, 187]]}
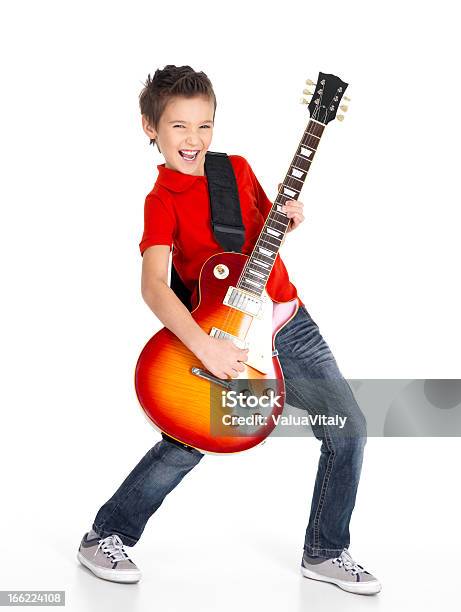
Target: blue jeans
{"points": [[313, 383]]}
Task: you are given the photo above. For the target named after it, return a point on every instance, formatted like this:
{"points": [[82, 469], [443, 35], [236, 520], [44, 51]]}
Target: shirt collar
{"points": [[176, 181]]}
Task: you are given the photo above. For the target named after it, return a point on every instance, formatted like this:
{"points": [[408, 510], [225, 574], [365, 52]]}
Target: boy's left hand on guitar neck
{"points": [[294, 211]]}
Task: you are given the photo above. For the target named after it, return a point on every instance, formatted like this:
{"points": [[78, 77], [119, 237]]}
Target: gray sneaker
{"points": [[342, 571], [107, 559]]}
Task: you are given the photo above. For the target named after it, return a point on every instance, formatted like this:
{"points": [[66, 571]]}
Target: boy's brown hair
{"points": [[170, 82]]}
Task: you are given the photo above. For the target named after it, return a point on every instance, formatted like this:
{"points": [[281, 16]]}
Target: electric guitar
{"points": [[178, 395]]}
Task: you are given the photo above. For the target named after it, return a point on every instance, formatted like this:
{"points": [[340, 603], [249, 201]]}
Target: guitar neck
{"points": [[256, 273]]}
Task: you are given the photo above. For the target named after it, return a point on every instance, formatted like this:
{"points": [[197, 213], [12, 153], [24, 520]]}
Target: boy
{"points": [[178, 107]]}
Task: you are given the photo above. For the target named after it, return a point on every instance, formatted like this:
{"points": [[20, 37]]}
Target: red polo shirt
{"points": [[177, 212]]}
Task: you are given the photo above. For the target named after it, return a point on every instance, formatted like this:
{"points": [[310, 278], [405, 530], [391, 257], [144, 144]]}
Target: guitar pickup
{"points": [[243, 301]]}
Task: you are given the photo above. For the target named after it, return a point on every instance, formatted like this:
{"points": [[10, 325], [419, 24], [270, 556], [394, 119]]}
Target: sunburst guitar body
{"points": [[184, 400]]}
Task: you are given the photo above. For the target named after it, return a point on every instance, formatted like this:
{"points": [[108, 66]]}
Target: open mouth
{"points": [[188, 155]]}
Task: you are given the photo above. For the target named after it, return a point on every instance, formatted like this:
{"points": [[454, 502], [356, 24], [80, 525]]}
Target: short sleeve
{"points": [[262, 201], [159, 223]]}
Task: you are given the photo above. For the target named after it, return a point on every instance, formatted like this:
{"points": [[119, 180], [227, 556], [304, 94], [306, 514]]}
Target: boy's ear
{"points": [[148, 129]]}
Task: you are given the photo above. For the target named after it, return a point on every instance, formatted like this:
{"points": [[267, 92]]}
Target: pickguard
{"points": [[259, 338]]}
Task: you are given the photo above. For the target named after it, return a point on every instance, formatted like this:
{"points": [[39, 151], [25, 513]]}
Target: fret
{"points": [[306, 152], [273, 232], [279, 210], [305, 160], [262, 257], [318, 122], [282, 214], [279, 222], [291, 184], [281, 195], [290, 191], [308, 141], [312, 138], [315, 127], [311, 147], [264, 273], [278, 206], [252, 282], [258, 262], [268, 236], [309, 135], [302, 162], [265, 251], [296, 173], [266, 242], [265, 266], [259, 274], [256, 282]]}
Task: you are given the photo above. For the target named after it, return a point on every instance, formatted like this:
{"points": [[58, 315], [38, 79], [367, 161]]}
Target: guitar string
{"points": [[268, 222], [310, 140]]}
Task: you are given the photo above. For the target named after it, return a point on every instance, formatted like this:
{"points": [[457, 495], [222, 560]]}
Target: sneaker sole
{"points": [[126, 576], [362, 588]]}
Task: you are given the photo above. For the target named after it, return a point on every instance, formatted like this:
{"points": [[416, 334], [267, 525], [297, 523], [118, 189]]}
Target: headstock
{"points": [[326, 99]]}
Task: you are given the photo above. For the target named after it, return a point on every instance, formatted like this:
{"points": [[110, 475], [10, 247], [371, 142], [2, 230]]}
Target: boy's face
{"points": [[184, 133]]}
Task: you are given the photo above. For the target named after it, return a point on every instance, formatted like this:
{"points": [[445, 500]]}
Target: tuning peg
{"points": [[307, 92], [344, 107], [340, 117], [346, 98], [309, 82], [303, 101]]}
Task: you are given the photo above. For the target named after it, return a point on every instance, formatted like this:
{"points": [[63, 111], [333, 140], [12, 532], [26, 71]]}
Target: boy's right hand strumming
{"points": [[221, 357]]}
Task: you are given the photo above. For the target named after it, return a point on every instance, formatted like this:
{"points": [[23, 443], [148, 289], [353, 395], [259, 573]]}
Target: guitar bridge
{"points": [[219, 333]]}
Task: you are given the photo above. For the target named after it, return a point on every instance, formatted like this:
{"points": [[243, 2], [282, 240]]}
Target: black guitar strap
{"points": [[226, 216], [226, 220]]}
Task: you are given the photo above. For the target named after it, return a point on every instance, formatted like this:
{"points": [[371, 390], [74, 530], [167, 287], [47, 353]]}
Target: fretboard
{"points": [[261, 261]]}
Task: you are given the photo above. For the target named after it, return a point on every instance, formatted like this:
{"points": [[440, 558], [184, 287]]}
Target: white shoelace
{"points": [[348, 562], [113, 547]]}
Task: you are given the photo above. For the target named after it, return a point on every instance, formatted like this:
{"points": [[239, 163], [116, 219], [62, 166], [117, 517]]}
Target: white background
{"points": [[376, 262]]}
